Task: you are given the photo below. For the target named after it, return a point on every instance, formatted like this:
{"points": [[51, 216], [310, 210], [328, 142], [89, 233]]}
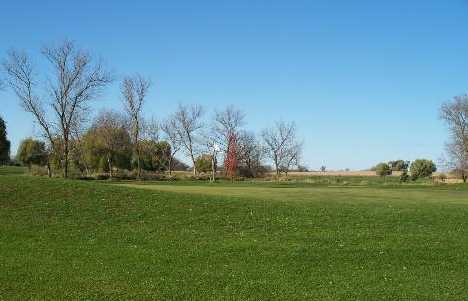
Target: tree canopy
{"points": [[422, 168], [32, 152]]}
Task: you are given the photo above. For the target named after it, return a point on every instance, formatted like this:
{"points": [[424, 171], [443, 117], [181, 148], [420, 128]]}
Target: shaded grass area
{"points": [[12, 170], [92, 241]]}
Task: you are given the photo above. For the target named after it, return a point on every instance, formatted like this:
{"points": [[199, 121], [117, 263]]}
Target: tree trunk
{"points": [[49, 171], [137, 147], [65, 168], [213, 168], [170, 164], [138, 167], [138, 163], [65, 155], [194, 167], [277, 169], [87, 170], [109, 162]]}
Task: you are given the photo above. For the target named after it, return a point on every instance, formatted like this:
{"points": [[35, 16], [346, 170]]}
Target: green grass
{"points": [[65, 240], [12, 170]]}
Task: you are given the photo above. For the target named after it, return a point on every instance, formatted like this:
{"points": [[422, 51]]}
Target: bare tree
{"points": [[280, 141], [134, 91], [227, 123], [455, 115], [291, 157], [169, 127], [75, 81], [211, 146], [188, 122], [457, 159], [150, 130], [250, 153]]}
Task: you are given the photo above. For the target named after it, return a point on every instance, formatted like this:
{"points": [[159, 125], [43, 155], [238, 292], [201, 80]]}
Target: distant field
{"points": [[77, 240], [351, 173]]}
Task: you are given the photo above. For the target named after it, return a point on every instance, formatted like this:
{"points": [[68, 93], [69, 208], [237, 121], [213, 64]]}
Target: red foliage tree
{"points": [[230, 161]]}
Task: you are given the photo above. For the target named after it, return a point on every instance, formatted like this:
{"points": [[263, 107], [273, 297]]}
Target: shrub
{"points": [[102, 177], [203, 163], [155, 155], [32, 152], [442, 177], [422, 168], [199, 177], [383, 169], [37, 170], [246, 172], [404, 177]]}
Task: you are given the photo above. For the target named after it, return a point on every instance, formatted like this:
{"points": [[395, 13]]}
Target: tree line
{"points": [[419, 168], [59, 97]]}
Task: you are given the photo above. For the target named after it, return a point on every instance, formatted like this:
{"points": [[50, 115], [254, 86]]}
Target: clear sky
{"points": [[363, 80]]}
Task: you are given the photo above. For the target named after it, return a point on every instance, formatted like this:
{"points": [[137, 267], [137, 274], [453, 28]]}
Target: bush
{"points": [[246, 172], [37, 170], [442, 177], [102, 177], [155, 155], [404, 177], [422, 168], [203, 163], [383, 169], [32, 152], [199, 177]]}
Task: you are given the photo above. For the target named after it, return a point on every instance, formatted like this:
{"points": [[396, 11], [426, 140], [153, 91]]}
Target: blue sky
{"points": [[363, 80]]}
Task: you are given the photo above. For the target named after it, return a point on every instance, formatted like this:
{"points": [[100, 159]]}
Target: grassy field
{"points": [[77, 240]]}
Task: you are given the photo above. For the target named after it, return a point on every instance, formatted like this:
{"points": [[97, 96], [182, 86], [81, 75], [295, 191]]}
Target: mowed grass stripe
{"points": [[90, 241], [407, 195]]}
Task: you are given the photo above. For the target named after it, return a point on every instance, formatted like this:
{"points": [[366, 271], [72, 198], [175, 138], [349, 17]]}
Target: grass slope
{"points": [[92, 241]]}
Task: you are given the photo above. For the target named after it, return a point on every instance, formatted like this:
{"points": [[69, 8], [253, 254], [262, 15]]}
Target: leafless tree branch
{"points": [[188, 122], [75, 81], [134, 91]]}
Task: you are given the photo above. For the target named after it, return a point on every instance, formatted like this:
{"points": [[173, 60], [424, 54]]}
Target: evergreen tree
{"points": [[4, 143]]}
